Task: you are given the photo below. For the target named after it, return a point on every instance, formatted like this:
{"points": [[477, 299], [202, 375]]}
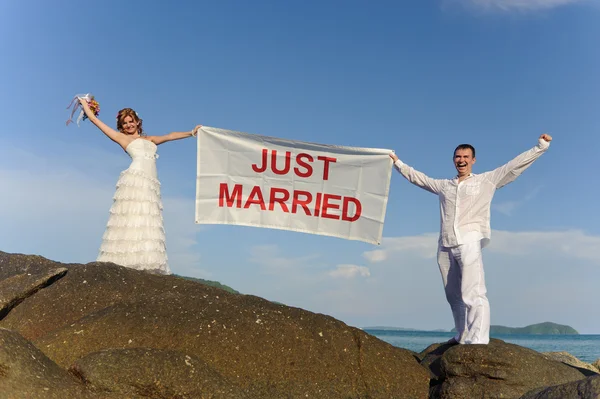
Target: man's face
{"points": [[463, 161]]}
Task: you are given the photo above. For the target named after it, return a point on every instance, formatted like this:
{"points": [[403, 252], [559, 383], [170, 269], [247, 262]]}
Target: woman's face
{"points": [[129, 125]]}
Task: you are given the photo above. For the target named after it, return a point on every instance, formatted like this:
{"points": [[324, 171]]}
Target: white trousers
{"points": [[464, 283]]}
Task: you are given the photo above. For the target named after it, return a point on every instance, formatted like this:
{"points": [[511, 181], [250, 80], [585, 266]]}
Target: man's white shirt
{"points": [[465, 206]]}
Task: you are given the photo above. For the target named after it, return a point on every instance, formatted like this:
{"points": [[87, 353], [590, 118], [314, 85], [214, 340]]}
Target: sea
{"points": [[585, 347]]}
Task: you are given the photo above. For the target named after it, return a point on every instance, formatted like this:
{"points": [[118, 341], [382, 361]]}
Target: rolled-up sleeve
{"points": [[510, 171], [419, 179]]}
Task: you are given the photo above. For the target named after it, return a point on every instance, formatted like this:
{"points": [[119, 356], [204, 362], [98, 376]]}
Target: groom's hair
{"points": [[465, 147]]}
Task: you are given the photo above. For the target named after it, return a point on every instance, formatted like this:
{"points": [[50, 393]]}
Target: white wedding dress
{"points": [[135, 236]]}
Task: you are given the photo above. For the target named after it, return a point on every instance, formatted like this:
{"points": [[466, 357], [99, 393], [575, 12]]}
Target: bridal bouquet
{"points": [[92, 103], [94, 106]]}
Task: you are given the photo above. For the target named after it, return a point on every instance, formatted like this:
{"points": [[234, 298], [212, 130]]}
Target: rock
{"points": [[596, 364], [431, 358], [588, 388], [495, 370], [566, 358], [13, 264], [15, 289], [153, 373], [267, 350], [25, 372]]}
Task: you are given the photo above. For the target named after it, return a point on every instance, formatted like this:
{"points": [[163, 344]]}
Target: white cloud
{"points": [[182, 250], [350, 271], [424, 246], [570, 243], [309, 281], [57, 214], [512, 5], [274, 262], [508, 207], [377, 255]]}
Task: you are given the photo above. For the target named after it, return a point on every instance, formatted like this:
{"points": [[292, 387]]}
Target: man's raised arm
{"points": [[509, 172], [417, 178]]}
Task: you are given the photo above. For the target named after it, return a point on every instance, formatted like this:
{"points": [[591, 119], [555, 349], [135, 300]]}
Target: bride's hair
{"points": [[125, 112]]}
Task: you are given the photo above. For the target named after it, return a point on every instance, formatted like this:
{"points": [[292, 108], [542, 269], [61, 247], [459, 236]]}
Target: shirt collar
{"points": [[470, 175]]}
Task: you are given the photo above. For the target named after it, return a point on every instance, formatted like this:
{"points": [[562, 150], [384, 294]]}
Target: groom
{"points": [[465, 229]]}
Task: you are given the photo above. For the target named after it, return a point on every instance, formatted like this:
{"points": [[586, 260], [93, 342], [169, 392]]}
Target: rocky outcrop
{"points": [[104, 331], [25, 372], [588, 388], [567, 358], [153, 373], [238, 344], [17, 288], [497, 370]]}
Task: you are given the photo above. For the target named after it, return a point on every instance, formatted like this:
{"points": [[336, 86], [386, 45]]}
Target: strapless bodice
{"points": [[141, 148], [143, 155]]}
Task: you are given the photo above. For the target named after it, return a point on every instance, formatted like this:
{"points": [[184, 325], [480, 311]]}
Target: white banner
{"points": [[251, 180]]}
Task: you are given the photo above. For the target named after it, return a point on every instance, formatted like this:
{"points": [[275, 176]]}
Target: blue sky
{"points": [[418, 77]]}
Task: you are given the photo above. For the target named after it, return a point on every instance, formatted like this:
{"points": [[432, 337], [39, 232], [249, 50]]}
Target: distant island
{"points": [[547, 328], [386, 328]]}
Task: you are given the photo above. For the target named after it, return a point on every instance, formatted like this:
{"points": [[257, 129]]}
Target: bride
{"points": [[135, 236]]}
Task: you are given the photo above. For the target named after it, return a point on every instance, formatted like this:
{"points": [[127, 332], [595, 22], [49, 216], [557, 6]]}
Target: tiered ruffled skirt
{"points": [[135, 236]]}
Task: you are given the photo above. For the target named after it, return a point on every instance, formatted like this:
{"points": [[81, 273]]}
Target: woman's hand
{"points": [[195, 130], [85, 106]]}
